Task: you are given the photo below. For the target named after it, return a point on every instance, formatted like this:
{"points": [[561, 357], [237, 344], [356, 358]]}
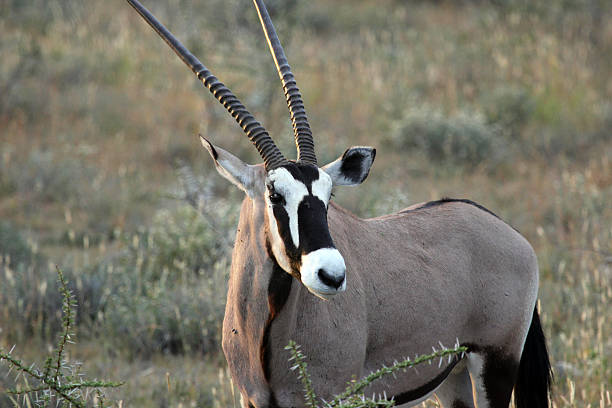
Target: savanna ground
{"points": [[508, 103]]}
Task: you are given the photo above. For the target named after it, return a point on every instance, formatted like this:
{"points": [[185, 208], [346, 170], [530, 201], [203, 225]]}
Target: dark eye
{"points": [[276, 198]]}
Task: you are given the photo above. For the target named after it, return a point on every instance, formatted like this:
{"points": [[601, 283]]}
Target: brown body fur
{"points": [[414, 279]]}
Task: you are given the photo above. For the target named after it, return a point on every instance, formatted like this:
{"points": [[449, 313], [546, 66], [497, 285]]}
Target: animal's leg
{"points": [[493, 372], [456, 391]]}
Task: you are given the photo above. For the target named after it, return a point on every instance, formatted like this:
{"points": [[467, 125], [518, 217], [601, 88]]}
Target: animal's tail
{"points": [[534, 381]]}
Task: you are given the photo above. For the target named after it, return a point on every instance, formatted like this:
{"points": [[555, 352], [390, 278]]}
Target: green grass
{"points": [[506, 103]]}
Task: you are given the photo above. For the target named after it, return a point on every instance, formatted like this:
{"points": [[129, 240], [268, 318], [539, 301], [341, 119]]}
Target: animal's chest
{"points": [[331, 336]]}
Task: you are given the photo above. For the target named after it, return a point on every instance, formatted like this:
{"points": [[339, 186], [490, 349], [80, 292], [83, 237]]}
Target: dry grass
{"points": [[96, 115]]}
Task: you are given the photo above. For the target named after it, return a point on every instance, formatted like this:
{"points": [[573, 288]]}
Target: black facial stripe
{"points": [[282, 222], [312, 229], [312, 225]]}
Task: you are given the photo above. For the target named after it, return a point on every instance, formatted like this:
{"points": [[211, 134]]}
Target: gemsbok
{"points": [[359, 293]]}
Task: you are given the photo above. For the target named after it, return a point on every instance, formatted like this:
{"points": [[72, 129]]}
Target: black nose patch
{"points": [[330, 280]]}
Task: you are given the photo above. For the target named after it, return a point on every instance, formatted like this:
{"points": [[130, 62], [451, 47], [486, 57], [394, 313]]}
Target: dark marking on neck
{"points": [[426, 388], [279, 288]]}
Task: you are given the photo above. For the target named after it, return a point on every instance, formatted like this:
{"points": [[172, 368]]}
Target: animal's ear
{"points": [[247, 177], [352, 167]]}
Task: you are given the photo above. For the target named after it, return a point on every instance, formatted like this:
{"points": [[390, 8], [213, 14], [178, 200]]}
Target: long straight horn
{"points": [[268, 150], [301, 128]]}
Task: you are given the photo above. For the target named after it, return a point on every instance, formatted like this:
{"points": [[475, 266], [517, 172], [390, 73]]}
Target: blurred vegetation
{"points": [[59, 382], [506, 102]]}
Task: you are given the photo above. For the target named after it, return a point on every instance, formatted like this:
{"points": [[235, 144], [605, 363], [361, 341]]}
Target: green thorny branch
{"points": [[53, 379], [353, 396]]}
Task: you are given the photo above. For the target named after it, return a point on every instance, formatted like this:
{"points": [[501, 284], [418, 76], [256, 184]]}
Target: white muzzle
{"points": [[324, 272]]}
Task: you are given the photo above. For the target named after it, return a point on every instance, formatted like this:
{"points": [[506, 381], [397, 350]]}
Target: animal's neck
{"points": [[258, 290]]}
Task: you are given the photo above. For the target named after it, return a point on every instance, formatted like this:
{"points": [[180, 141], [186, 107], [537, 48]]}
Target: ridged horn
{"points": [[266, 147], [301, 129]]}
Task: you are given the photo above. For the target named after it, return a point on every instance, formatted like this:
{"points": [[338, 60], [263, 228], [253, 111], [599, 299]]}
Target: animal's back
{"points": [[450, 269]]}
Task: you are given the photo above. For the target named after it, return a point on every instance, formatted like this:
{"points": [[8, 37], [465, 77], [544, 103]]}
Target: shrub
{"points": [[45, 177], [61, 381], [464, 139], [510, 108], [168, 287], [13, 246], [28, 290], [165, 291]]}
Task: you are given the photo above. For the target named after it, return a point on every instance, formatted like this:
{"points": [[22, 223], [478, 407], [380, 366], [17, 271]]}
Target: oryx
{"points": [[360, 293]]}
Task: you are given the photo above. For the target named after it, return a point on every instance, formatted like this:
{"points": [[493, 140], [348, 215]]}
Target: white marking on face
{"points": [[278, 248], [332, 262], [321, 188], [293, 192]]}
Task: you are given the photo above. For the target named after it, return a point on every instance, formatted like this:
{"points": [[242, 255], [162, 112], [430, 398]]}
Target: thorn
{"points": [[433, 348], [449, 358], [440, 362], [441, 345]]}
